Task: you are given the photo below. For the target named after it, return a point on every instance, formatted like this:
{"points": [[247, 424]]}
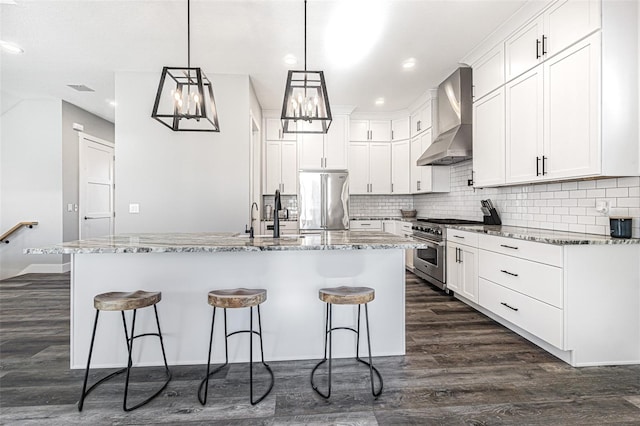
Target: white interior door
{"points": [[96, 187]]}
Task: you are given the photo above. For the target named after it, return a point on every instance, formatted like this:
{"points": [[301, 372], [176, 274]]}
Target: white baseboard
{"points": [[46, 268]]}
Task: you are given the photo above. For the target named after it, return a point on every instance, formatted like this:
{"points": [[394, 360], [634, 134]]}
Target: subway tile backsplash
{"points": [[567, 206]]}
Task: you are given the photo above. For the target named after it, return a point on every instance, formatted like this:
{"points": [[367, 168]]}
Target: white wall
{"points": [[183, 181], [31, 184]]}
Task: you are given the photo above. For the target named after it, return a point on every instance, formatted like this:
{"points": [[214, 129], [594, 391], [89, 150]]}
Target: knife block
{"points": [[493, 218]]}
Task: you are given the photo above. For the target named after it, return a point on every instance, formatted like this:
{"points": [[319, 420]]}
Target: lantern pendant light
{"points": [[184, 101], [305, 98]]}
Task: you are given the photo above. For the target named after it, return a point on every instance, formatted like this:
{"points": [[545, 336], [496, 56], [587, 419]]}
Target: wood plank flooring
{"points": [[460, 368]]}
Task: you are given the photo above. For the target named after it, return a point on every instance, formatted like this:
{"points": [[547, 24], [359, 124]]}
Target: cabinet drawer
{"points": [[538, 280], [538, 318], [463, 237], [373, 225], [289, 226], [537, 252]]}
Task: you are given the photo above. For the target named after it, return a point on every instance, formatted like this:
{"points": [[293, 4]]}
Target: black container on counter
{"points": [[620, 227]]}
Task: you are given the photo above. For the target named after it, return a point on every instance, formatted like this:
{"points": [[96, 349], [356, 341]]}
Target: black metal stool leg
{"points": [[329, 329], [86, 373], [204, 384], [372, 369], [327, 338], [130, 362], [259, 333]]}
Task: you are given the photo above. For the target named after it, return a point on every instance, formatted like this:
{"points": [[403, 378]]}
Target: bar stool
{"points": [[121, 301], [236, 298], [346, 296]]}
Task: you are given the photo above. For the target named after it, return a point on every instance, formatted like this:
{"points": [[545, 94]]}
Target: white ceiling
{"points": [[86, 41]]}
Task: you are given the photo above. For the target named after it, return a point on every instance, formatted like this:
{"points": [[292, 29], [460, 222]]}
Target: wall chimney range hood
{"points": [[454, 142]]}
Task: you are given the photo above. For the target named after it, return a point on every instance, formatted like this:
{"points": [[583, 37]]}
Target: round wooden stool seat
{"points": [[123, 301], [345, 295], [237, 297]]}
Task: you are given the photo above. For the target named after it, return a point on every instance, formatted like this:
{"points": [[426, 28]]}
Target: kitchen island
{"points": [[185, 267]]}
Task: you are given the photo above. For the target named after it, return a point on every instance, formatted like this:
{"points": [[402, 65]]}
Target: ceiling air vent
{"points": [[80, 87]]}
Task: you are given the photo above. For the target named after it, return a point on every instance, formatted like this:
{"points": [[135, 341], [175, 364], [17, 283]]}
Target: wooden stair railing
{"points": [[19, 225]]}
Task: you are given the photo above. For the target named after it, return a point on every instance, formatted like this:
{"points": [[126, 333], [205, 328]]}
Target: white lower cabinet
{"points": [[581, 302], [365, 225], [538, 318], [286, 227], [462, 265]]}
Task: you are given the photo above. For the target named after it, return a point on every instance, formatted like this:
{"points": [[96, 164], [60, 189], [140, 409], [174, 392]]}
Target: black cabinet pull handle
{"points": [[510, 307], [509, 273], [544, 159], [537, 166], [544, 45], [537, 49], [506, 246], [458, 236]]}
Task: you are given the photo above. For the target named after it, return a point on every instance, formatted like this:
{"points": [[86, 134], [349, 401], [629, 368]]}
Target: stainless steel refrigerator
{"points": [[323, 200]]}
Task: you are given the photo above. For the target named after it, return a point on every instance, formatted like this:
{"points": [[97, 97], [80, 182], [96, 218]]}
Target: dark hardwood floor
{"points": [[460, 368]]}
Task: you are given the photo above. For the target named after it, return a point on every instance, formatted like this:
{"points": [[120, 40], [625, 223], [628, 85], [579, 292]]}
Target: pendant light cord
{"points": [[305, 35], [188, 33]]}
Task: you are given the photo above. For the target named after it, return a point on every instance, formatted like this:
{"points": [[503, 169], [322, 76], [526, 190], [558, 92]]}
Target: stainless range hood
{"points": [[453, 143]]}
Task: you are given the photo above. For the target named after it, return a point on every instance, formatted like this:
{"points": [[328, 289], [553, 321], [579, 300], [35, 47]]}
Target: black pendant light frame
{"points": [[314, 118], [174, 83]]}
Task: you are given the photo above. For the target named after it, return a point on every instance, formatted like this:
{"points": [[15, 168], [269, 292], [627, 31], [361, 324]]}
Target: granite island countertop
{"points": [[230, 242], [547, 236]]}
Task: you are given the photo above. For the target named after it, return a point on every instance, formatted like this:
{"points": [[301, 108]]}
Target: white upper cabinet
{"points": [[488, 72], [400, 167], [421, 119], [568, 21], [370, 130], [319, 151], [275, 133], [400, 129], [523, 50], [571, 124], [281, 170], [564, 23], [336, 145], [552, 126], [524, 131], [488, 140], [427, 178], [369, 168]]}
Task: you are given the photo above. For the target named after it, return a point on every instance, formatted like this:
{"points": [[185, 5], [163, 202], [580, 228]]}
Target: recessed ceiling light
{"points": [[380, 101], [11, 47], [408, 64], [290, 59]]}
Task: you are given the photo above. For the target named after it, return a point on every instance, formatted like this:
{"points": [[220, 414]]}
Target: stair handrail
{"points": [[19, 225]]}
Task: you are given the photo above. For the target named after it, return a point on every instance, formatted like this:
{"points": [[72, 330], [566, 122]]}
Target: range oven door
{"points": [[430, 261]]}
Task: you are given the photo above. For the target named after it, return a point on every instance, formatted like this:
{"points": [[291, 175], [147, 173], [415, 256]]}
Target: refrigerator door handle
{"points": [[323, 200]]}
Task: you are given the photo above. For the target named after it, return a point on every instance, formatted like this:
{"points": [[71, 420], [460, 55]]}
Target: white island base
{"points": [[292, 316]]}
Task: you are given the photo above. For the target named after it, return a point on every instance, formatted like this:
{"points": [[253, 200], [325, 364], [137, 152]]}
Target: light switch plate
{"points": [[134, 208]]}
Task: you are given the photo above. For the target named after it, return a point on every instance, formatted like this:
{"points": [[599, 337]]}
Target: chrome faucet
{"points": [[277, 206]]}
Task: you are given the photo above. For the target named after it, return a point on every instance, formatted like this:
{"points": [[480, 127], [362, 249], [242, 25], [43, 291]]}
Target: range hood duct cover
{"points": [[455, 102]]}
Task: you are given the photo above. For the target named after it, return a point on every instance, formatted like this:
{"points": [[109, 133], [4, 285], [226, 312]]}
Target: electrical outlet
{"points": [[69, 207], [469, 182], [134, 208]]}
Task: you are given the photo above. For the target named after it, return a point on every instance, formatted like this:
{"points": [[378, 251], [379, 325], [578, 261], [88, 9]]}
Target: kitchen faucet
{"points": [[277, 206], [250, 231]]}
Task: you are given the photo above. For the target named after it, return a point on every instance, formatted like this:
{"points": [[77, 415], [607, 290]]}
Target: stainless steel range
{"points": [[430, 263]]}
